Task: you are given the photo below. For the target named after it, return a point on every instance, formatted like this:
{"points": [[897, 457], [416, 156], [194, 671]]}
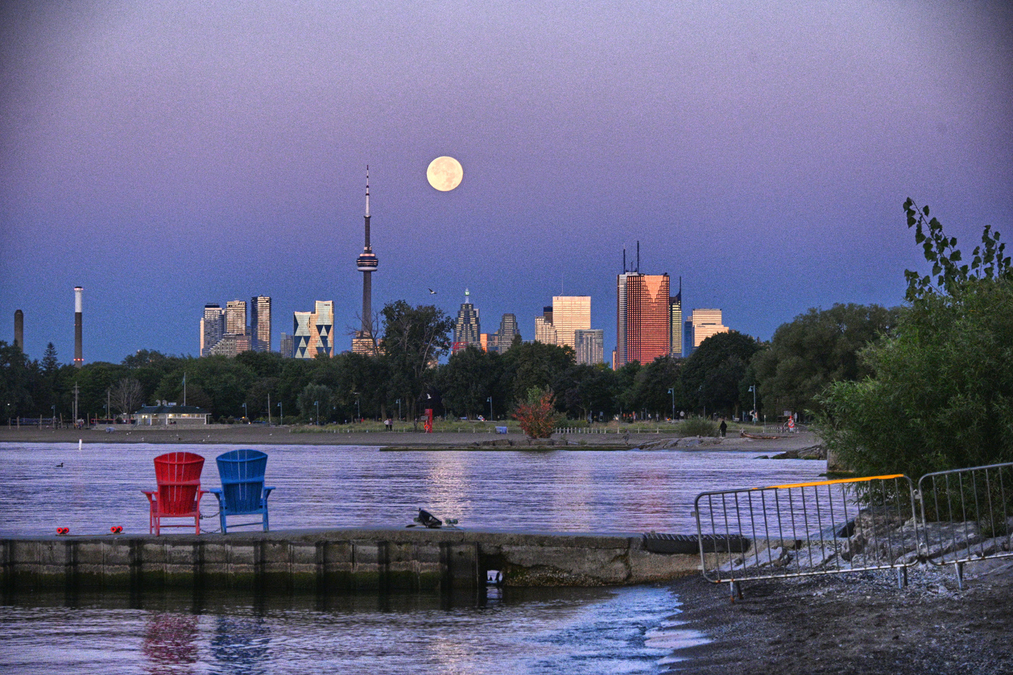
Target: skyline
{"points": [[173, 155]]}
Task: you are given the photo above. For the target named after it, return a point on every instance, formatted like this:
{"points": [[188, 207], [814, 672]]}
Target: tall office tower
{"points": [[235, 317], [78, 330], [643, 325], [212, 327], [501, 340], [362, 342], [313, 331], [687, 338], [19, 329], [544, 330], [706, 322], [589, 345], [285, 346], [230, 345], [467, 329], [260, 323], [675, 318], [570, 313]]}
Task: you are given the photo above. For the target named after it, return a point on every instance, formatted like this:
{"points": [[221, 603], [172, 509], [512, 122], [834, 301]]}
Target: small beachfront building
{"points": [[166, 414]]}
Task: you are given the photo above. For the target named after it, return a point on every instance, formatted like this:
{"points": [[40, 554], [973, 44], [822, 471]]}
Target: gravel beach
{"points": [[855, 623]]}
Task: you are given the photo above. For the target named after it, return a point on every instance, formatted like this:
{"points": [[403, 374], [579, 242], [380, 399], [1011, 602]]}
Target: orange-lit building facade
{"points": [[643, 320]]}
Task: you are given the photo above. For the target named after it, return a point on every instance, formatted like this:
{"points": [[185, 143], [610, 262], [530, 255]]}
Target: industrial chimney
{"points": [[78, 357], [19, 329]]}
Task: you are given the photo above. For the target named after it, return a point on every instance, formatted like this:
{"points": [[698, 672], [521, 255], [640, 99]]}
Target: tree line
{"points": [[727, 375], [917, 388]]}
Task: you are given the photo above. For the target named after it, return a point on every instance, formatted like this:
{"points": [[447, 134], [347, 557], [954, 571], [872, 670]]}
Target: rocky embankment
{"points": [[860, 621]]}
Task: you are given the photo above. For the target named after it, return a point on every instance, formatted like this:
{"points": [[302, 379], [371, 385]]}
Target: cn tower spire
{"points": [[366, 263]]}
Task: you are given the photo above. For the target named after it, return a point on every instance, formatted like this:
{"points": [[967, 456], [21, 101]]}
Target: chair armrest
{"points": [[200, 493], [267, 492], [150, 494], [219, 495]]}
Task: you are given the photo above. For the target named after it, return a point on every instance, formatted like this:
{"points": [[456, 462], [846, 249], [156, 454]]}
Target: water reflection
{"points": [[605, 631], [170, 643], [320, 486], [240, 645]]}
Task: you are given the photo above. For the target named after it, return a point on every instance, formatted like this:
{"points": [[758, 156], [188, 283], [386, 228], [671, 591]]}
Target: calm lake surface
{"points": [[627, 630]]}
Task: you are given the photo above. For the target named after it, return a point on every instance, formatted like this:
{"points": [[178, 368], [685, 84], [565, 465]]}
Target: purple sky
{"points": [[168, 154]]}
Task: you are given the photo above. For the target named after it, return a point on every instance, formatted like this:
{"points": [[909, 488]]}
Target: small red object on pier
{"points": [[116, 529], [63, 530]]}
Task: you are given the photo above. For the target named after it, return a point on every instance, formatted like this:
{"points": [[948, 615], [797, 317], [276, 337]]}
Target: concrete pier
{"points": [[346, 560]]}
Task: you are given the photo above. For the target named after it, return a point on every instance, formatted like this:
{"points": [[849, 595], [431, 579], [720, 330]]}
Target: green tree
{"points": [[712, 374], [413, 341], [817, 348], [469, 379], [532, 365], [652, 385], [16, 375], [941, 393], [315, 397]]}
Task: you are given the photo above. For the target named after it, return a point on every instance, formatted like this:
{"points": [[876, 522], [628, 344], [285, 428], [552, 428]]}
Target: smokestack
{"points": [[638, 256], [78, 358], [19, 329]]}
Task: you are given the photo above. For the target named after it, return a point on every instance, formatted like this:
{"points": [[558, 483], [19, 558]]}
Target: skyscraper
{"points": [[570, 313], [675, 318], [313, 331], [235, 317], [643, 324], [467, 330], [501, 340], [545, 332], [589, 345], [706, 322], [285, 346], [260, 323], [362, 342], [212, 327]]}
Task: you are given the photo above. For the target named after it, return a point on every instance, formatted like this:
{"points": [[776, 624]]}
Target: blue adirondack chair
{"points": [[242, 492]]}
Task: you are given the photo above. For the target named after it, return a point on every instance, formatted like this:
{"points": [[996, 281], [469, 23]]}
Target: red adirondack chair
{"points": [[178, 495]]}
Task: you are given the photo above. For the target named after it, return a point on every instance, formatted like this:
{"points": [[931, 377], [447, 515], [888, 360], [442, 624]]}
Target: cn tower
{"points": [[366, 263]]}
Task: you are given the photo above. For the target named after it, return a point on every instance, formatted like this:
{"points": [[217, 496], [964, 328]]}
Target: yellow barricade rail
{"points": [[801, 529]]}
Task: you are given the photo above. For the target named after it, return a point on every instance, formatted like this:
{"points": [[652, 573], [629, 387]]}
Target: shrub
{"points": [[697, 426]]}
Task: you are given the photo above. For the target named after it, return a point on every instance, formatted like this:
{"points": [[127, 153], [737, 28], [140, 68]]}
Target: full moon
{"points": [[444, 173]]}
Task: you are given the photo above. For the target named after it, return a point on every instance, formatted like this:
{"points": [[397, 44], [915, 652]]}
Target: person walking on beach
{"points": [[723, 427]]}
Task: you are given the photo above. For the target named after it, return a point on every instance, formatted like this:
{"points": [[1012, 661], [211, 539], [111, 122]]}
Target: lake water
{"points": [[627, 630]]}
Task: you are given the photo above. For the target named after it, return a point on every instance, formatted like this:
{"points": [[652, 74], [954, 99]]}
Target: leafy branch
{"points": [[987, 262]]}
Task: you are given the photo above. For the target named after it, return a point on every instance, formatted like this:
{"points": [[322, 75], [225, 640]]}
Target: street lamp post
{"points": [[490, 407], [672, 392], [752, 388], [399, 410], [317, 404], [358, 411], [282, 408], [245, 414]]}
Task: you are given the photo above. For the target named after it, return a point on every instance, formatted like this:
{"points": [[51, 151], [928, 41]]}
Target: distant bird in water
{"points": [[60, 465]]}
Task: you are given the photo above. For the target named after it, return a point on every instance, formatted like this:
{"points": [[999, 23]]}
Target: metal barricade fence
{"points": [[967, 515], [806, 529]]}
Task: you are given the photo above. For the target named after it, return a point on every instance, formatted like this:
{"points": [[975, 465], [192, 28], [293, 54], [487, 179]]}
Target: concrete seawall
{"points": [[346, 560]]}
